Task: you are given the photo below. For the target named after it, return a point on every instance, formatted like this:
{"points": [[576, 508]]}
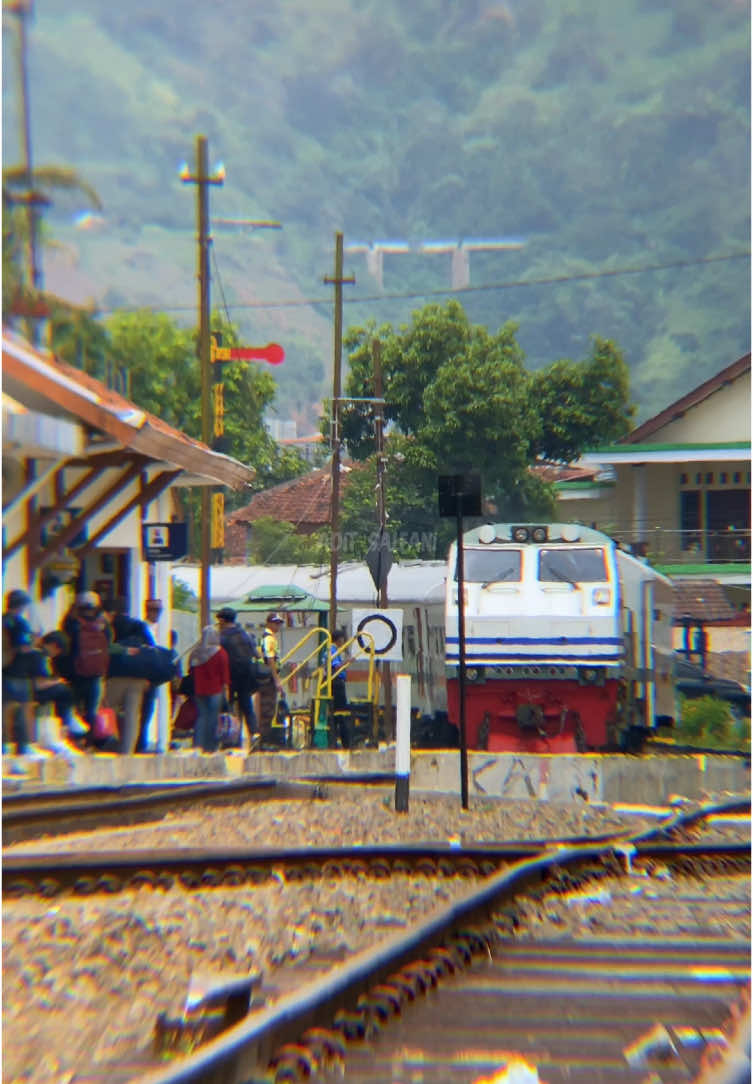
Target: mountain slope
{"points": [[608, 136]]}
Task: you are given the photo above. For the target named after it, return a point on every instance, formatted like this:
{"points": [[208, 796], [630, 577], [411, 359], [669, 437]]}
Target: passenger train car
{"points": [[568, 640]]}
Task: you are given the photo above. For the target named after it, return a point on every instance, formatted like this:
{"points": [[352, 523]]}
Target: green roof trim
{"points": [[285, 597], [705, 570], [627, 449], [559, 486]]}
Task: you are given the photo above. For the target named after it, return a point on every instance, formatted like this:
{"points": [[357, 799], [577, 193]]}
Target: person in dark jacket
{"points": [[52, 682], [242, 653], [134, 695], [209, 667], [18, 670]]}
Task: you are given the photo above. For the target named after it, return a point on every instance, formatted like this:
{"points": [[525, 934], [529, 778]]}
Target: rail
{"points": [[293, 1034]]}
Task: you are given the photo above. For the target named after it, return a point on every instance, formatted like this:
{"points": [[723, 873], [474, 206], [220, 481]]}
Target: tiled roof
{"points": [[39, 378], [560, 472], [703, 600], [693, 398], [304, 501]]}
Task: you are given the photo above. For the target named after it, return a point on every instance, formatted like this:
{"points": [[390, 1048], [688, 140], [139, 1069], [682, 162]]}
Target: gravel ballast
{"points": [[348, 819], [84, 979]]}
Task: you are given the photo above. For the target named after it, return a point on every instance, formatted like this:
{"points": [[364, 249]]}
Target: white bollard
{"points": [[402, 744]]}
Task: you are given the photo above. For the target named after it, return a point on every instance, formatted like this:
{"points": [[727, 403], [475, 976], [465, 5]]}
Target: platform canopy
{"points": [[286, 598]]}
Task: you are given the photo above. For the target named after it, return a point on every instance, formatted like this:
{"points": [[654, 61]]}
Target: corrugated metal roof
{"points": [[413, 581]]}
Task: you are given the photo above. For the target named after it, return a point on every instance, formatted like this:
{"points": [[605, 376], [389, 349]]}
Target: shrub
{"points": [[710, 721]]}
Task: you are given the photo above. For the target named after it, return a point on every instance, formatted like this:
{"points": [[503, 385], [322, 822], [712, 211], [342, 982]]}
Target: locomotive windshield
{"points": [[490, 566], [573, 566]]}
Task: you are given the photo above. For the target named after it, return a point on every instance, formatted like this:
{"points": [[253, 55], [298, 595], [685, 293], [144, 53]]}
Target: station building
{"points": [[89, 480]]}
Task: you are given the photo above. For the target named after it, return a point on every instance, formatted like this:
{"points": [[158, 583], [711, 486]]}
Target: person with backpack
{"points": [[90, 637], [209, 668], [242, 653]]}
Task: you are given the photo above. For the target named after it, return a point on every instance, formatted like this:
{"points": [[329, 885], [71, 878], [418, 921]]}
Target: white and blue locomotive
{"points": [[568, 640]]}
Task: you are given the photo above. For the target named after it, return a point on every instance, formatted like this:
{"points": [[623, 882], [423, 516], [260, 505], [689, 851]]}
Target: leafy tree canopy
{"points": [[274, 541], [458, 397], [156, 362]]}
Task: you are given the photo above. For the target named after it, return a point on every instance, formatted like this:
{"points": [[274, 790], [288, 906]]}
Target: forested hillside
{"points": [[608, 136]]}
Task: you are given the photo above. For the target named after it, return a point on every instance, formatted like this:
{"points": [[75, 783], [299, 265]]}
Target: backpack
{"points": [[93, 653], [242, 652]]}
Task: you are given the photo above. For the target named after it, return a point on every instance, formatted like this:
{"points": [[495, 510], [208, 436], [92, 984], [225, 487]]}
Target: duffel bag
{"points": [[155, 664], [228, 730]]}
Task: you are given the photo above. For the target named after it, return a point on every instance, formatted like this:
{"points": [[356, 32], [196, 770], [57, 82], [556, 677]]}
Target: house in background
{"points": [[305, 501], [680, 496]]}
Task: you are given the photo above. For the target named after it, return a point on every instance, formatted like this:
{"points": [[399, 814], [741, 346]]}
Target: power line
{"points": [[219, 283], [512, 284]]}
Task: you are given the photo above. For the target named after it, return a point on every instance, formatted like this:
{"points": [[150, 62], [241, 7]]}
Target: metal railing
{"points": [[665, 545]]}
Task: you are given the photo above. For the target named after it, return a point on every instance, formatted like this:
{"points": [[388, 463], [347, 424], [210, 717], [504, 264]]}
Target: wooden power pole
{"points": [[202, 179], [338, 281]]}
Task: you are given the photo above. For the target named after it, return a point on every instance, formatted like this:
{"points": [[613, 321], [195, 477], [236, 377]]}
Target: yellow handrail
{"points": [[325, 640], [368, 651]]}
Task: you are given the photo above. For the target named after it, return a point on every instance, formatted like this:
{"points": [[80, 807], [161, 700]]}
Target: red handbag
{"points": [[105, 724], [184, 721]]}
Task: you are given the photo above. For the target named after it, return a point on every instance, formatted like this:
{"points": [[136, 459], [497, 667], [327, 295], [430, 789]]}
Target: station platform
{"points": [[648, 779]]}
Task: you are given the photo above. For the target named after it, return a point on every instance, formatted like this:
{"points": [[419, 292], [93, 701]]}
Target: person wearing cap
{"points": [[269, 684], [242, 653]]}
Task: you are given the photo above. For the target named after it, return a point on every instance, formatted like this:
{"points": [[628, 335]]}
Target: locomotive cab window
{"points": [[490, 566], [572, 566]]}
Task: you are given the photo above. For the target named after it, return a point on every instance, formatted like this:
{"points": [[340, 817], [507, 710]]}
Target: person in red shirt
{"points": [[210, 668]]}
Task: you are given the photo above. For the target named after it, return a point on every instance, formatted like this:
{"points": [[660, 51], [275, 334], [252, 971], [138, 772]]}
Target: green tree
{"points": [[459, 397], [274, 541], [582, 404], [17, 284]]}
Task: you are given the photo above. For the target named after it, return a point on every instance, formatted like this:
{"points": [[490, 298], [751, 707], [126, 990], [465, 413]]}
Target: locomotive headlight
{"points": [[471, 674], [601, 596]]}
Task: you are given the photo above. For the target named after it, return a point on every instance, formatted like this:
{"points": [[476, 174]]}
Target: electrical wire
{"points": [[219, 282], [512, 284]]}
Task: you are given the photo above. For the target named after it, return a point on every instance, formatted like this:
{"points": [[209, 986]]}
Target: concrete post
{"points": [[402, 744]]}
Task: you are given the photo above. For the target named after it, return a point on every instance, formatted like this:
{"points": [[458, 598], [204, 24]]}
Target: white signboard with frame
{"points": [[386, 627]]}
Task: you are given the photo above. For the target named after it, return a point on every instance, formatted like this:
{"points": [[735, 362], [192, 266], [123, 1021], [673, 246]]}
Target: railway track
{"points": [[370, 1016], [28, 815], [86, 873], [345, 1022]]}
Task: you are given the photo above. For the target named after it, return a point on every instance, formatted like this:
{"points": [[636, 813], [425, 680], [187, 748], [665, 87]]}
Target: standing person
{"points": [[18, 670], [338, 659], [242, 652], [269, 683], [209, 667], [90, 637], [126, 685]]}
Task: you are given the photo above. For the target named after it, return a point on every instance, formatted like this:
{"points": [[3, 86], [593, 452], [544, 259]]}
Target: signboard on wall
{"points": [[164, 541], [386, 627], [63, 517]]}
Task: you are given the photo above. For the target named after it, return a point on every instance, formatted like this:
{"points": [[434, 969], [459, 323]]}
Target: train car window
{"points": [[490, 566], [573, 566]]}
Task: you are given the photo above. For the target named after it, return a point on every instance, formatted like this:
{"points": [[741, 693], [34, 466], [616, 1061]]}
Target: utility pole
{"points": [[376, 350], [32, 200], [338, 281], [202, 179]]}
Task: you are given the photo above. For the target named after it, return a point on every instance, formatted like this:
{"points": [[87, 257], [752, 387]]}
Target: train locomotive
{"points": [[568, 641]]}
